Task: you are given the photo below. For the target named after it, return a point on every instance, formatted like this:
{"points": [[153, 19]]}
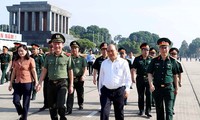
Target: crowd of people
{"points": [[157, 76]]}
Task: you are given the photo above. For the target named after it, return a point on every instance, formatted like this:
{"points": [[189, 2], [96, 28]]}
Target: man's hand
{"points": [[126, 94], [152, 88], [71, 89]]}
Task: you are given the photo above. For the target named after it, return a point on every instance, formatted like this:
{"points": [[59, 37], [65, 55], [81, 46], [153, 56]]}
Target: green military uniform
{"points": [[39, 60], [141, 65], [57, 87], [163, 71], [79, 63], [5, 60]]}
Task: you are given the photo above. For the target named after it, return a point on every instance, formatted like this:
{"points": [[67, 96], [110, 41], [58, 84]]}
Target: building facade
{"points": [[37, 21]]}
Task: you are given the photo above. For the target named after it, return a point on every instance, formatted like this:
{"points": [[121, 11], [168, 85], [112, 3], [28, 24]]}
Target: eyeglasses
{"points": [[145, 49], [152, 53], [103, 49], [121, 53]]}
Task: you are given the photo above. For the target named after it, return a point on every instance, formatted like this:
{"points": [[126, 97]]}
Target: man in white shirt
{"points": [[114, 84]]}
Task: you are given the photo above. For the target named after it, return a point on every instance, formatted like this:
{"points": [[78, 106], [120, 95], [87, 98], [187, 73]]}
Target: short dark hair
{"points": [[144, 44], [27, 56], [102, 44], [152, 48], [173, 48]]}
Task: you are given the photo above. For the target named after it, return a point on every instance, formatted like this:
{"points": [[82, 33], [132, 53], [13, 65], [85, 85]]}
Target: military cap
{"points": [[17, 44], [5, 47], [36, 46], [143, 45], [163, 41], [74, 44], [172, 49], [57, 37], [103, 45]]}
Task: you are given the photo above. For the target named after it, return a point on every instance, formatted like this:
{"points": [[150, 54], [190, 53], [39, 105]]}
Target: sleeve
{"points": [[127, 76], [101, 76], [94, 66], [10, 58], [70, 64], [180, 67], [42, 60], [134, 65], [175, 69], [32, 63], [150, 68], [84, 62], [46, 62]]}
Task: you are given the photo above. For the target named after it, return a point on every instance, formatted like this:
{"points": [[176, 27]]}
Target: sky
{"points": [[177, 20]]}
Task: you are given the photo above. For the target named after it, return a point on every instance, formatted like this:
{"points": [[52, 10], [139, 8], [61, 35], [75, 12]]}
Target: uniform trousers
{"points": [[143, 87], [56, 98], [45, 89], [22, 90], [78, 86], [117, 97], [3, 75], [164, 95]]}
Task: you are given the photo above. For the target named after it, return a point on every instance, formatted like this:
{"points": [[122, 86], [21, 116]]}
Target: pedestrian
{"points": [[174, 53], [59, 67], [39, 60], [5, 60], [122, 53], [152, 54], [97, 64], [90, 60], [79, 72], [162, 72], [23, 73], [114, 84], [139, 67], [46, 79], [131, 57]]}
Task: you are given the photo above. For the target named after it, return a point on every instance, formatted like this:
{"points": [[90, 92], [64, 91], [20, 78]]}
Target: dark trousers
{"points": [[45, 89], [78, 86], [143, 88], [22, 89], [90, 69], [3, 75], [117, 97], [164, 96], [56, 98]]}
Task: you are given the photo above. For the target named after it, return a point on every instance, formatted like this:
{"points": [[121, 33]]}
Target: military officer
{"points": [[139, 67], [174, 53], [79, 70], [39, 60], [5, 60], [59, 67], [162, 72]]}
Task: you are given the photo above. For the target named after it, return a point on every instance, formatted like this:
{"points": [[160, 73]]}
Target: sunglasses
{"points": [[103, 49], [173, 53], [145, 49]]}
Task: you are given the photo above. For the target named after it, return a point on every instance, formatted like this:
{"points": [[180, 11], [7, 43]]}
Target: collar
{"points": [[62, 54]]}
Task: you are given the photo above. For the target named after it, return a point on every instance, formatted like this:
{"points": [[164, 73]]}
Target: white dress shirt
{"points": [[115, 74]]}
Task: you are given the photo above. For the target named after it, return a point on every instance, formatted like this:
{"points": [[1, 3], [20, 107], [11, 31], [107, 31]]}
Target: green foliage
{"points": [[85, 45], [183, 51]]}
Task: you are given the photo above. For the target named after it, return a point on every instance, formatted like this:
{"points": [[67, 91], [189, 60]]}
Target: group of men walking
{"points": [[156, 77]]}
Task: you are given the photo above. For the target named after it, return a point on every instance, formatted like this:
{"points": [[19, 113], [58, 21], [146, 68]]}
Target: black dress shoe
{"points": [[80, 107], [148, 115], [68, 112], [43, 108], [141, 112]]}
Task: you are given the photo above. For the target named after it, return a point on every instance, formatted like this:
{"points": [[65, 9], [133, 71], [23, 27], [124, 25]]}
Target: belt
{"points": [[113, 90], [164, 85], [57, 81]]}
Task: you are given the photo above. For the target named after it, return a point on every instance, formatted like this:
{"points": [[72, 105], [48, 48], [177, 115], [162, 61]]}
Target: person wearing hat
{"points": [[162, 73], [39, 60], [5, 60], [59, 67], [139, 68], [79, 70], [174, 53], [97, 63]]}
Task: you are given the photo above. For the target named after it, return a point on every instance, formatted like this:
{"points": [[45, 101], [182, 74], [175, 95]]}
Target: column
{"points": [[25, 21], [67, 23], [61, 24], [58, 23], [33, 21], [41, 21], [54, 22], [49, 20], [11, 19], [64, 24]]}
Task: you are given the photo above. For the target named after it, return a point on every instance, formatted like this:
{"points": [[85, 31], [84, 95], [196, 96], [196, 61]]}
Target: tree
{"points": [[183, 49], [77, 31], [85, 44]]}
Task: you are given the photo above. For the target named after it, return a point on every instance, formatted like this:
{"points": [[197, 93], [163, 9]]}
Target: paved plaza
{"points": [[187, 103]]}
